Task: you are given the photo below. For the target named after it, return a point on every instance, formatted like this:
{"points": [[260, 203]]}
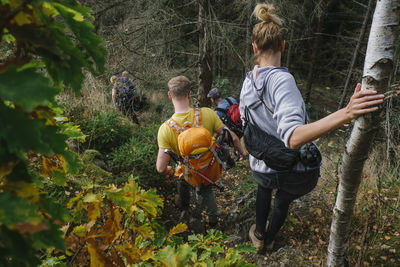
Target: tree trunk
{"points": [[314, 57], [353, 60], [250, 6], [316, 46], [377, 69], [290, 44], [205, 73]]}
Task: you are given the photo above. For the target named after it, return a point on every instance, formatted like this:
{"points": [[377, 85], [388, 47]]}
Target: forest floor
{"points": [[303, 239]]}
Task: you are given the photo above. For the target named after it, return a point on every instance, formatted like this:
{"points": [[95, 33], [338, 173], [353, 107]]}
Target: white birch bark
{"points": [[377, 69]]}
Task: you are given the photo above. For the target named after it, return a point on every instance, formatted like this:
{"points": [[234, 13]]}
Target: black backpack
{"points": [[125, 93], [232, 118]]}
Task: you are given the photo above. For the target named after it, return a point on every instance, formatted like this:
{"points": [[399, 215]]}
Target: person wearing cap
{"points": [[222, 103], [222, 106]]}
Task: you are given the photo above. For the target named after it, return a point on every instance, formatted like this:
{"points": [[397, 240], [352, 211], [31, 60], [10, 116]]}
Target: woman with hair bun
{"points": [[271, 97]]}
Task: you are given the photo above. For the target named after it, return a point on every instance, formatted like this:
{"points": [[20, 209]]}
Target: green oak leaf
{"points": [[17, 210], [23, 133], [26, 88]]}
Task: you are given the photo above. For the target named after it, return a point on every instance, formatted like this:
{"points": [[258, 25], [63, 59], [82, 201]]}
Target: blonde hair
{"points": [[113, 79], [269, 33], [179, 86], [124, 74]]}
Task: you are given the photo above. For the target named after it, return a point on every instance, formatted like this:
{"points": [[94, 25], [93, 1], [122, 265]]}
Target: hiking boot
{"points": [[257, 243]]}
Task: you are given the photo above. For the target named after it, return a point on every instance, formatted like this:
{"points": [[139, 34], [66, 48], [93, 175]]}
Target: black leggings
{"points": [[290, 186], [279, 213]]}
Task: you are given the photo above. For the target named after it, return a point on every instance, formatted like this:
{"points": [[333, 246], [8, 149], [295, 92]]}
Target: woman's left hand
{"points": [[363, 102]]}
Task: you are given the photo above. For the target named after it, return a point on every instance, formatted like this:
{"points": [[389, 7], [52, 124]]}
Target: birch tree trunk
{"points": [[205, 73], [353, 60], [377, 69]]}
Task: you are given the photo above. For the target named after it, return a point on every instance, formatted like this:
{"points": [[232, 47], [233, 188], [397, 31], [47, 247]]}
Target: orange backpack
{"points": [[197, 149]]}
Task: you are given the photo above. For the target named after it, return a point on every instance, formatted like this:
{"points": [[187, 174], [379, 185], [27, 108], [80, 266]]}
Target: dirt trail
{"points": [[301, 241]]}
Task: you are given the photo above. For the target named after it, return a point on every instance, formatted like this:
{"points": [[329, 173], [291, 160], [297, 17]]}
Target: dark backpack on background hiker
{"points": [[232, 119], [266, 147], [125, 93]]}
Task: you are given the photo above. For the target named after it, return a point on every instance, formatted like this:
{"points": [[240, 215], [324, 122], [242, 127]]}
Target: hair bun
{"points": [[266, 13]]}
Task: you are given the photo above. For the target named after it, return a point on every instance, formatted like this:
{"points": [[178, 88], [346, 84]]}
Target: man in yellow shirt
{"points": [[179, 94]]}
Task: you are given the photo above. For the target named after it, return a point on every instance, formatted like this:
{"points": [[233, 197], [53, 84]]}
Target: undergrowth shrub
{"points": [[120, 226], [107, 130], [139, 153]]}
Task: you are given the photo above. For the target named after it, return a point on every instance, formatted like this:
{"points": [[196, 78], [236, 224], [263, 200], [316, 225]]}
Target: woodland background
{"points": [[156, 40]]}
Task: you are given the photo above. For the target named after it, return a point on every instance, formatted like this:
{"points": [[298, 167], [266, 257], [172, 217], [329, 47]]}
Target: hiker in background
{"points": [[126, 81], [123, 93], [183, 120], [228, 111], [271, 102]]}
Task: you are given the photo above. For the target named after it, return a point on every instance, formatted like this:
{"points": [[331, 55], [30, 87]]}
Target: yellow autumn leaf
{"points": [[145, 231], [94, 211], [53, 163], [96, 257], [49, 9], [77, 16], [132, 254], [112, 228], [23, 18], [90, 198], [179, 228], [148, 254], [79, 231]]}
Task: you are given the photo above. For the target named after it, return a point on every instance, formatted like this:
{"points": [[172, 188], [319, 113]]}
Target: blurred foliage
{"points": [[120, 226], [49, 43]]}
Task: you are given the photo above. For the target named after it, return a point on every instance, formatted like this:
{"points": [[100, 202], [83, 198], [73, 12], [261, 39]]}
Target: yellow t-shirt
{"points": [[168, 138]]}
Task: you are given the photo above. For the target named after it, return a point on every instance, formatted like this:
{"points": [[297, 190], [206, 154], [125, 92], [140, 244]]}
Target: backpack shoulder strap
{"points": [[260, 95], [197, 117], [174, 125], [229, 101]]}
